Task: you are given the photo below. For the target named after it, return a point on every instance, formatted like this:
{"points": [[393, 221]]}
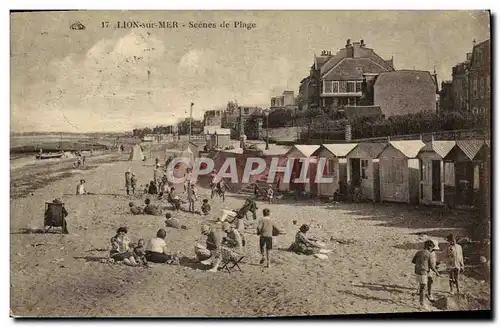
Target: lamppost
{"points": [[266, 112]]}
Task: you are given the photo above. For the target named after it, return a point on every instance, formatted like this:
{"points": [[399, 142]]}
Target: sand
{"points": [[369, 270]]}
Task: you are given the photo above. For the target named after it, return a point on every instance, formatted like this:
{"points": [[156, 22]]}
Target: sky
{"points": [[115, 79]]}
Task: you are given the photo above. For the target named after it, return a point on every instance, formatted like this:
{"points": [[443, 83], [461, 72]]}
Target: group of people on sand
{"points": [[426, 270], [140, 253]]}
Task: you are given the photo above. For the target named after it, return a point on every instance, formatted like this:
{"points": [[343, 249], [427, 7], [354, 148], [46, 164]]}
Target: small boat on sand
{"points": [[49, 155]]}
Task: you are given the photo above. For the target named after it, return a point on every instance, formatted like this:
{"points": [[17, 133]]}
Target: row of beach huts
{"points": [[456, 173]]}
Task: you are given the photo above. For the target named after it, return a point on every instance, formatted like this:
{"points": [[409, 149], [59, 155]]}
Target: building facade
{"points": [[460, 85], [344, 79], [213, 118], [480, 78], [446, 97], [286, 100], [404, 92]]}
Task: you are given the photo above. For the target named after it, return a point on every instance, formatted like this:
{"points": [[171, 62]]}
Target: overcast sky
{"points": [[89, 81]]}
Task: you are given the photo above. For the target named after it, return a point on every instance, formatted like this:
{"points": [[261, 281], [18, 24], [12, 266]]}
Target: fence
{"points": [[461, 134]]}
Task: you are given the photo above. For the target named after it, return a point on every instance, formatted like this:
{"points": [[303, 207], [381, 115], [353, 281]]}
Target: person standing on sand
{"points": [[80, 188], [133, 183], [424, 263], [266, 230], [191, 196], [455, 262], [128, 180]]}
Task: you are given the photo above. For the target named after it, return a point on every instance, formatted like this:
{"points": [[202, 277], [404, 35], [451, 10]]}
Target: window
{"points": [[359, 86], [481, 88], [335, 87], [342, 87], [328, 87], [351, 87], [474, 88], [364, 169], [330, 165]]}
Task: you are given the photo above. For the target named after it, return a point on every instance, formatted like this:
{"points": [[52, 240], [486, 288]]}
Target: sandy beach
{"points": [[369, 271]]}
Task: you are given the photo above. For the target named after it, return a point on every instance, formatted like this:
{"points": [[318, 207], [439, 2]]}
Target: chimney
{"points": [[362, 43], [474, 42], [469, 55], [350, 49]]}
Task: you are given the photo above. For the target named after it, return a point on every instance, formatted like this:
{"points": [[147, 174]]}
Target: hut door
{"points": [[436, 180], [355, 170]]}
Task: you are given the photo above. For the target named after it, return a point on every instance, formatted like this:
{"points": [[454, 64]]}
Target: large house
{"points": [[344, 79], [480, 78], [284, 101]]}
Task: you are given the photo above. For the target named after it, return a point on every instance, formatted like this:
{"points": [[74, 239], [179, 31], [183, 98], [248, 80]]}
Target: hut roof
{"points": [[373, 149], [305, 150], [409, 148], [442, 148], [339, 149], [470, 147]]}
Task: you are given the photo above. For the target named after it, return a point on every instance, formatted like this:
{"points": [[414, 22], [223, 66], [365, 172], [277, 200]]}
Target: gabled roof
{"points": [[305, 150], [470, 147], [373, 149], [358, 53], [409, 148], [442, 148], [353, 69], [338, 149]]}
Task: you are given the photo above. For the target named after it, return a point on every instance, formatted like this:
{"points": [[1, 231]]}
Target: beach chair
{"points": [[54, 216], [234, 262]]}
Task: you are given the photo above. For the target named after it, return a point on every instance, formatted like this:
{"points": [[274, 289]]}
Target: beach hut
{"points": [[363, 166], [399, 171], [136, 153], [300, 153], [467, 157], [433, 178], [335, 166]]}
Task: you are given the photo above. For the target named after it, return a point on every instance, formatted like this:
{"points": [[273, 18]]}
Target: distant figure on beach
{"points": [[455, 262], [266, 230], [120, 248], [128, 180], [133, 183], [270, 194], [191, 196], [205, 207], [156, 250], [80, 188], [151, 209], [135, 210], [174, 199], [173, 222], [140, 252], [424, 263], [304, 244], [83, 161], [152, 188]]}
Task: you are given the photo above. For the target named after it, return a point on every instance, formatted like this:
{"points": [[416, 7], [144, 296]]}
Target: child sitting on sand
{"points": [[205, 207], [140, 252], [173, 222], [150, 209], [135, 210]]}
